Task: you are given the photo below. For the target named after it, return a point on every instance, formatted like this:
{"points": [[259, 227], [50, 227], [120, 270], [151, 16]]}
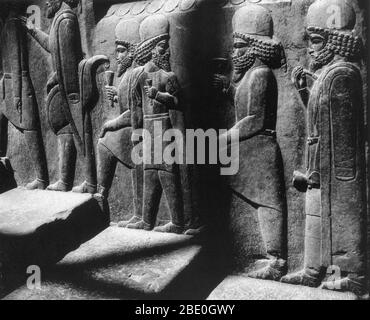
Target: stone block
{"points": [[41, 227]]}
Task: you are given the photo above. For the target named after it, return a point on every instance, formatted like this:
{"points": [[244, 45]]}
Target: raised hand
{"points": [[299, 78], [111, 92]]}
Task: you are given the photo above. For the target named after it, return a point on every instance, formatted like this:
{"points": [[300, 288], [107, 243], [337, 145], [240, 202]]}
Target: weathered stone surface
{"points": [[41, 227], [121, 263], [243, 288]]}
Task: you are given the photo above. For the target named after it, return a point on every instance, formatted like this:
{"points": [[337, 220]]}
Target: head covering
{"points": [[253, 24]]}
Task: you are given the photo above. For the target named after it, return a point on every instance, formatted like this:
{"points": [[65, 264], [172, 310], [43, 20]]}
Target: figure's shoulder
{"points": [[341, 69], [66, 16]]}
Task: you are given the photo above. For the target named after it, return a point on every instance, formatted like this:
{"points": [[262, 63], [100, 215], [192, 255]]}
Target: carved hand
{"points": [[220, 83], [299, 78], [300, 181], [151, 92], [17, 103], [112, 93], [108, 126]]}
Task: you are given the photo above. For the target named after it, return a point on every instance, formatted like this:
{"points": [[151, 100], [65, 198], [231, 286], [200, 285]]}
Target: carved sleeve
{"points": [[41, 37], [254, 104], [70, 54], [136, 105], [123, 121], [14, 42]]}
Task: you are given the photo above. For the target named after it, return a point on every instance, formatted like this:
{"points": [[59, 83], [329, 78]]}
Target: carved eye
{"points": [[240, 45]]}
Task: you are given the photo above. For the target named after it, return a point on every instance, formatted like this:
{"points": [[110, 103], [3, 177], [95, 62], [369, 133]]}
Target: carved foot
{"points": [[85, 187], [274, 270], [38, 184], [141, 225], [195, 231], [59, 186], [133, 220], [170, 228], [306, 277], [357, 285]]}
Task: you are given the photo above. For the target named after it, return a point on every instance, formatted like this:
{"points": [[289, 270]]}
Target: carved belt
{"points": [[158, 116], [313, 140]]}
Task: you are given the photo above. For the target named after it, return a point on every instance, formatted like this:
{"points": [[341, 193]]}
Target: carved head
{"points": [[127, 35], [53, 6], [330, 26], [154, 35], [253, 39]]}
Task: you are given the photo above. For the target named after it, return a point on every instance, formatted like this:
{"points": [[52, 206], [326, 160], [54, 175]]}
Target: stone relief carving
{"points": [[334, 182], [253, 92], [153, 93], [18, 100], [151, 64], [71, 94], [115, 145]]}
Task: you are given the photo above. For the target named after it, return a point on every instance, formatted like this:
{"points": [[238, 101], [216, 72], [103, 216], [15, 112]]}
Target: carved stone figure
{"points": [[254, 94], [115, 143], [71, 93], [154, 90], [334, 182], [18, 101]]}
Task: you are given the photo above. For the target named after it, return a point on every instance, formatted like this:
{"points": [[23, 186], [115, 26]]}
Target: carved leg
{"points": [[3, 135], [137, 178], [271, 224], [107, 165], [152, 197], [89, 185], [37, 152], [170, 184], [67, 163], [310, 275]]}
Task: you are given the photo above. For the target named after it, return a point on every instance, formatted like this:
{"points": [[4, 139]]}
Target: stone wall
{"points": [[200, 31]]}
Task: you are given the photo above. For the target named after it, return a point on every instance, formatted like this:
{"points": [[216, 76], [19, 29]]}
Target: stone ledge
{"points": [[121, 264], [240, 287], [41, 227]]}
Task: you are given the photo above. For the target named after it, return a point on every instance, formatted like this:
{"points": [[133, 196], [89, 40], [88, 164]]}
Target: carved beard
{"points": [[321, 59], [52, 8], [242, 64], [162, 61], [124, 64]]}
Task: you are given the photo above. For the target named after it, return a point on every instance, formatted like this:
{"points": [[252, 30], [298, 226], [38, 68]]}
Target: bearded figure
{"points": [[18, 103], [154, 97], [334, 182], [115, 144], [72, 92], [254, 94]]}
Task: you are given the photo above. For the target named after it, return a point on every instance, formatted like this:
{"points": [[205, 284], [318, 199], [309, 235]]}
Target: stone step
{"points": [[127, 264], [41, 227], [240, 287]]}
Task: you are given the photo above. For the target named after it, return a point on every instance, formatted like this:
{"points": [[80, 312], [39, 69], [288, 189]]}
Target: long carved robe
{"points": [[260, 180], [16, 81], [335, 117]]}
